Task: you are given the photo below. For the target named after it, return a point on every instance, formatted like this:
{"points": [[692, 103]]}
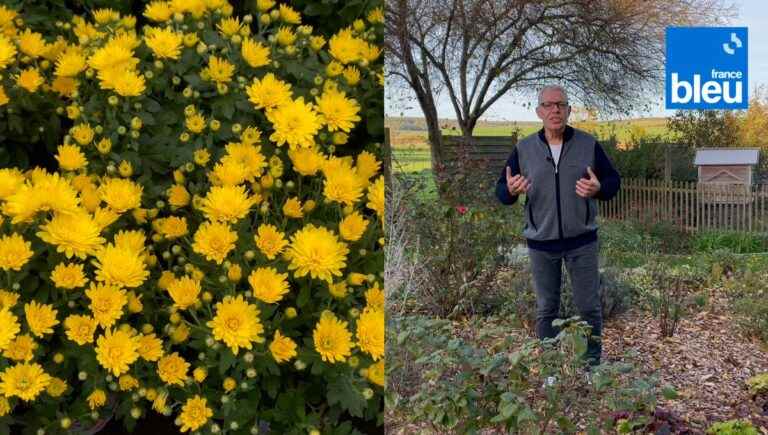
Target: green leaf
{"points": [[303, 297], [341, 391], [226, 361], [669, 392]]}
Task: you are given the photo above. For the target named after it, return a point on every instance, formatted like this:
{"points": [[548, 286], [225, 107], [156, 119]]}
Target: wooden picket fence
{"points": [[691, 206]]}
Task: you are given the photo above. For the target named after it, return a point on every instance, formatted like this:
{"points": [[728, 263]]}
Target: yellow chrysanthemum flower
{"points": [[173, 227], [332, 339], [342, 183], [46, 192], [351, 75], [133, 240], [113, 58], [7, 52], [285, 36], [9, 327], [375, 373], [264, 5], [107, 303], [164, 43], [270, 241], [219, 70], [282, 348], [117, 350], [292, 208], [158, 11], [71, 158], [306, 161], [105, 15], [120, 194], [269, 92], [345, 47], [236, 323], [268, 284], [316, 42], [194, 414], [11, 179], [195, 123], [172, 369], [289, 15], [248, 155], [15, 252], [32, 44], [70, 63], [295, 123], [22, 348], [97, 399], [72, 234], [370, 332], [82, 133], [64, 86], [255, 53], [318, 252], [104, 217], [41, 318], [8, 299], [339, 112], [376, 16], [376, 197], [184, 291], [178, 196], [30, 79], [227, 204], [150, 347], [353, 226], [230, 26], [214, 240], [25, 381], [120, 266], [367, 165], [127, 383], [80, 329], [374, 297], [370, 52], [68, 276], [127, 84], [56, 387]]}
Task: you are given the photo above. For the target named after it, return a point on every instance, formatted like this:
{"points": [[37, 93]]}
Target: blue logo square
{"points": [[706, 68]]}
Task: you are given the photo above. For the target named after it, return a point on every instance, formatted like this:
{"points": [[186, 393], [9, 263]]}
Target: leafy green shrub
{"points": [[733, 427], [752, 315], [758, 384], [739, 242]]}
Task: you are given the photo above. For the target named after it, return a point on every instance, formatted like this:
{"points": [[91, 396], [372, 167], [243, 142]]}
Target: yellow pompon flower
{"points": [[68, 276], [120, 266], [56, 387], [375, 373], [30, 79], [282, 348], [339, 112], [255, 53], [306, 161], [173, 227], [105, 16], [158, 11], [70, 63], [7, 51], [367, 165], [80, 329], [376, 16], [9, 327], [117, 350], [113, 57], [128, 84], [150, 347], [8, 299], [295, 123], [268, 284], [195, 123], [270, 241], [231, 26], [370, 332], [269, 92], [25, 381], [376, 197], [164, 43], [32, 44], [374, 297], [292, 208], [318, 252], [11, 179], [229, 172], [133, 240], [214, 240], [351, 75], [41, 318], [285, 36], [64, 86], [370, 52], [120, 194], [227, 204], [345, 47], [22, 348], [104, 217], [250, 136], [317, 42], [96, 399], [219, 70], [172, 369], [289, 15], [202, 156], [72, 234], [194, 414], [236, 323], [342, 184], [71, 158], [178, 196], [184, 291], [15, 252], [107, 303], [248, 155], [264, 5], [353, 226], [82, 133], [134, 302], [127, 383], [332, 339]]}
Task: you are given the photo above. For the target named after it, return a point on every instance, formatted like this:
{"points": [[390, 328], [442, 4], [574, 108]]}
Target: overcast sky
{"points": [[752, 14]]}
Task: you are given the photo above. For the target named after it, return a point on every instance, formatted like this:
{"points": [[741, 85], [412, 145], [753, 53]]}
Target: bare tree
{"points": [[608, 53]]}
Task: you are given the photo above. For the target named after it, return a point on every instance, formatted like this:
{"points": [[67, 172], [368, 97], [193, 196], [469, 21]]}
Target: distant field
{"points": [[411, 150]]}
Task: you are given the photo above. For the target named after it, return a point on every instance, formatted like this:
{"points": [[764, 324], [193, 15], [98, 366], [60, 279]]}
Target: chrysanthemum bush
{"points": [[209, 246]]}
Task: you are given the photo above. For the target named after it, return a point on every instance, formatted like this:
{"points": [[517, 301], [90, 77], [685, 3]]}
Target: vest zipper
{"points": [[557, 186]]}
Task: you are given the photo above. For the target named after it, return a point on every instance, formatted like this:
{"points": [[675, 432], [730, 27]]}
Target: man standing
{"points": [[562, 171]]}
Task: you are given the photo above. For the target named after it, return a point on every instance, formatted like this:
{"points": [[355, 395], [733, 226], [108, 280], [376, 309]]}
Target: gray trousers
{"points": [[582, 266]]}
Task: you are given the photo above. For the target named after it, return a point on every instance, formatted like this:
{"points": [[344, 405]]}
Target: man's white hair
{"points": [[553, 88]]}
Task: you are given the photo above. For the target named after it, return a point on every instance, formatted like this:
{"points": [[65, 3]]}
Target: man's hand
{"points": [[517, 184], [586, 187]]}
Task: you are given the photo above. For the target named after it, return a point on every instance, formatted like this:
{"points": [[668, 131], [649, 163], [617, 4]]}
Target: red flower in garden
{"points": [[461, 209]]}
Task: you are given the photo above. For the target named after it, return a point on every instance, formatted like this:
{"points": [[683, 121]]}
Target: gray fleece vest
{"points": [[553, 210]]}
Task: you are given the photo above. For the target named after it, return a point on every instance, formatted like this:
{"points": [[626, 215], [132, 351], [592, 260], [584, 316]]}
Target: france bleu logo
{"points": [[706, 68]]}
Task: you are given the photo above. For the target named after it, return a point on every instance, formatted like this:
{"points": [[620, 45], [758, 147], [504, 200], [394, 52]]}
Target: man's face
{"points": [[550, 111]]}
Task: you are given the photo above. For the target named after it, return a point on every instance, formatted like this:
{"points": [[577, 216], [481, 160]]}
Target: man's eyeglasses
{"points": [[549, 105]]}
